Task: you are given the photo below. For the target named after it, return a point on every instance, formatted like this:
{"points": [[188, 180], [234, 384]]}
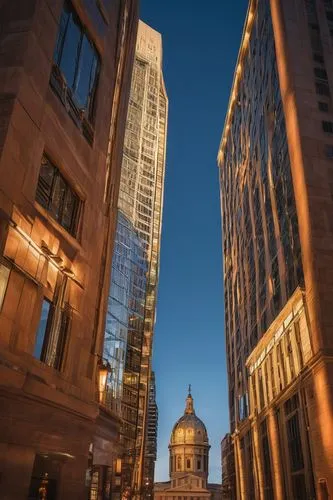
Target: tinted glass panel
{"points": [[65, 15], [40, 336], [85, 72], [71, 50], [58, 195]]}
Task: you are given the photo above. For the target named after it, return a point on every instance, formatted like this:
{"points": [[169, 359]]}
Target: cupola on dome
{"points": [[189, 429]]}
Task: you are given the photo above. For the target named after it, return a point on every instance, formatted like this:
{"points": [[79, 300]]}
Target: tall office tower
{"points": [[151, 440], [133, 291], [276, 175], [65, 73]]}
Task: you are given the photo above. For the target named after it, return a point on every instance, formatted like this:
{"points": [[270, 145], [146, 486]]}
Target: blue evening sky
{"points": [[200, 47]]}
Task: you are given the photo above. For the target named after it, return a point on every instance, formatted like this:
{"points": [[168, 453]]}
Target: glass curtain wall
{"points": [[133, 292]]}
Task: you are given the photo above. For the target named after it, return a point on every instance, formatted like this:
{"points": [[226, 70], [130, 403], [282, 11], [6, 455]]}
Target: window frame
{"points": [[82, 114], [327, 126], [62, 322], [48, 204]]}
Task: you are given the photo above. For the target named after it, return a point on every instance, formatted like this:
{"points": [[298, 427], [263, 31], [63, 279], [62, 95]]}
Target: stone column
{"points": [[257, 473], [274, 445]]}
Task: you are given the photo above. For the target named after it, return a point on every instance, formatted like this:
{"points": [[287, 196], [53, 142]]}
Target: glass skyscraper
{"points": [[135, 267]]}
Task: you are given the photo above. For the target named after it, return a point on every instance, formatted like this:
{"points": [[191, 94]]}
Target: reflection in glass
{"points": [[40, 336]]}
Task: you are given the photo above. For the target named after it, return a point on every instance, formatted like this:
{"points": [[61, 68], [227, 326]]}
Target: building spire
{"points": [[189, 409]]}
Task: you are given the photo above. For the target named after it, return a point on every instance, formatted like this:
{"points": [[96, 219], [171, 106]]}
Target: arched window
{"points": [[179, 463], [188, 463]]}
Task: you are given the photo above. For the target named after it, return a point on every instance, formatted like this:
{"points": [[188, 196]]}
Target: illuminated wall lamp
{"points": [[104, 368]]}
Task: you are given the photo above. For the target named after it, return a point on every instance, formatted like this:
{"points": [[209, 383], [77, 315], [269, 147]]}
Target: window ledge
{"points": [[73, 242]]}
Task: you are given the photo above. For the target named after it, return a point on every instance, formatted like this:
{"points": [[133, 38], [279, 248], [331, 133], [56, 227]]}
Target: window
{"points": [[322, 88], [188, 463], [327, 127], [320, 73], [78, 61], [4, 276], [51, 334], [40, 337], [323, 106], [329, 15], [243, 407], [199, 464], [179, 463], [266, 461], [55, 194]]}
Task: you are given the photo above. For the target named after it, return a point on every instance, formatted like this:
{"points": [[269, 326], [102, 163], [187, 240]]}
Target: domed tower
{"points": [[189, 447]]}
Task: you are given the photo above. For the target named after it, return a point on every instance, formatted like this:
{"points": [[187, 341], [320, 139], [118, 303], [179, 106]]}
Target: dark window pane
{"points": [[295, 444], [70, 208], [71, 50], [327, 127], [55, 194], [323, 106], [86, 67], [78, 61], [320, 73], [329, 15], [299, 487], [40, 337], [322, 88], [45, 183], [58, 195], [65, 16]]}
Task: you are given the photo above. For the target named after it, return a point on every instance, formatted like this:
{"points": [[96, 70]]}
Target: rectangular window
{"points": [[78, 61], [266, 461], [4, 277], [327, 127], [295, 447], [323, 106], [42, 328], [55, 194], [329, 15], [320, 73], [322, 88], [51, 334], [294, 443]]}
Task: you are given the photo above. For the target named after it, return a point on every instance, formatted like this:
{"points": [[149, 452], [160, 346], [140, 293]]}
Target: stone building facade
{"points": [[64, 77], [275, 162]]}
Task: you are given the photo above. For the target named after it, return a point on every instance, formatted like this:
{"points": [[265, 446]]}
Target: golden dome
{"points": [[189, 429]]}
